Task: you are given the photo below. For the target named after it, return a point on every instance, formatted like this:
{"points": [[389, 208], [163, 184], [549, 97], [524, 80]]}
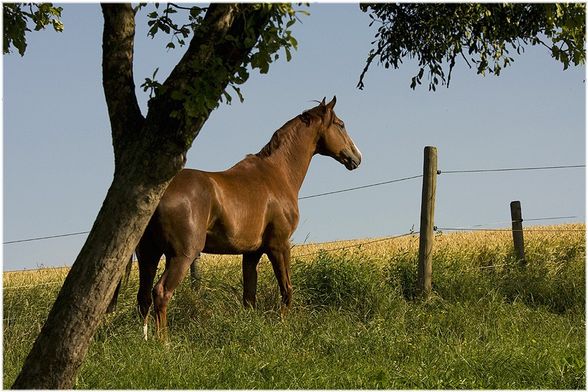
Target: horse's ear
{"points": [[331, 104], [323, 101]]}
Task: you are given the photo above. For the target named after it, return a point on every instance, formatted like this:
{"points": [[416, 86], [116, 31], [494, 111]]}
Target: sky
{"points": [[58, 160]]}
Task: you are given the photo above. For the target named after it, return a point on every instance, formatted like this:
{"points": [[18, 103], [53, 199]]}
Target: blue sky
{"points": [[58, 159]]}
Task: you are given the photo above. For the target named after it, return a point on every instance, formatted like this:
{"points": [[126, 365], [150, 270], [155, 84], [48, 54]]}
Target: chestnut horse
{"points": [[249, 209]]}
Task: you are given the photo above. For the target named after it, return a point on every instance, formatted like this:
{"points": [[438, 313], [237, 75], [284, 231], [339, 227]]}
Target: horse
{"points": [[249, 209]]}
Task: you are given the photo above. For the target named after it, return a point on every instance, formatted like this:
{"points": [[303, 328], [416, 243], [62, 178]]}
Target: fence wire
{"points": [[376, 184], [45, 238], [356, 245], [361, 187], [529, 229], [510, 169]]}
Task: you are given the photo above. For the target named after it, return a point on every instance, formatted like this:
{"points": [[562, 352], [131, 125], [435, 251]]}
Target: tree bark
{"points": [[148, 153], [64, 339]]}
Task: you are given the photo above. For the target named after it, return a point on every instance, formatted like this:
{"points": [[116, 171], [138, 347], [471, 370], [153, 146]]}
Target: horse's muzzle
{"points": [[351, 160]]}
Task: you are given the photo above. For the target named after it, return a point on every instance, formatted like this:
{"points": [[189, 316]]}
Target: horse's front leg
{"points": [[280, 259], [250, 262]]}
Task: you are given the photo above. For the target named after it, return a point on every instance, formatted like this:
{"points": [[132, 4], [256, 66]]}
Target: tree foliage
{"points": [[163, 18], [18, 18], [202, 98], [485, 35], [261, 46]]}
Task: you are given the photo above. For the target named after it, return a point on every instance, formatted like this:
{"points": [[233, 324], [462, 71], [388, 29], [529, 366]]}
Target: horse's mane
{"points": [[281, 136], [290, 130]]}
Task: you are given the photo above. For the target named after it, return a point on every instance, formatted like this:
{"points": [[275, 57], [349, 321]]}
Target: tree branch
{"points": [[185, 8], [221, 43], [466, 60], [117, 72]]}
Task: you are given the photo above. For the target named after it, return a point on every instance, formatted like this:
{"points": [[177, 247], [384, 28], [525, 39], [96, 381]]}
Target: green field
{"points": [[355, 321]]}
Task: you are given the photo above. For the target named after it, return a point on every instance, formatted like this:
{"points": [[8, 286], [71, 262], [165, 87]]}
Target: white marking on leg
{"points": [[145, 331]]}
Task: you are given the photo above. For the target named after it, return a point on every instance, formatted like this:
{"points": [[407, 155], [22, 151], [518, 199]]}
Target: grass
{"points": [[355, 322]]}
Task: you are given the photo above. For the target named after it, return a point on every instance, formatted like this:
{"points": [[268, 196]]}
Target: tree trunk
{"points": [[148, 153], [63, 342]]}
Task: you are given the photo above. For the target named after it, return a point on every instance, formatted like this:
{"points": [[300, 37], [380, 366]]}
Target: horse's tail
{"points": [[124, 279]]}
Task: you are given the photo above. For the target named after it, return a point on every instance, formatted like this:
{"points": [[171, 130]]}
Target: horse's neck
{"points": [[295, 154]]}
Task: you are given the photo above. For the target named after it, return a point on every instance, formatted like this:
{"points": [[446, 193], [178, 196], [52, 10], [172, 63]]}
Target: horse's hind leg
{"points": [[148, 261], [175, 271], [280, 259], [250, 262], [112, 306]]}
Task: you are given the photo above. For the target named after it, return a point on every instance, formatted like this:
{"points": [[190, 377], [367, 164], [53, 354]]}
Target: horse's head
{"points": [[333, 138]]}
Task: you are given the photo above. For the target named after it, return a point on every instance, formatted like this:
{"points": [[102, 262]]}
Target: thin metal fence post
{"points": [[517, 231], [426, 233]]}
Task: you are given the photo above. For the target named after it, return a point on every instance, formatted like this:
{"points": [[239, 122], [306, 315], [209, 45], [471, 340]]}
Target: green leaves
{"points": [[437, 35], [164, 22], [266, 31], [46, 14], [566, 26], [275, 36], [16, 19], [151, 84]]}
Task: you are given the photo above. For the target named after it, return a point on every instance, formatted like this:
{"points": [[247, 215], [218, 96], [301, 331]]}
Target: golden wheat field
{"points": [[464, 247]]}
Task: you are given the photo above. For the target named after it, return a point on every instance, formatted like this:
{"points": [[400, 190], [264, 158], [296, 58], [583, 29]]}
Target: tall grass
{"points": [[355, 322]]}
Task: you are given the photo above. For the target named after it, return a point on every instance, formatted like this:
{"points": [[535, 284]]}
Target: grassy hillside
{"points": [[354, 324]]}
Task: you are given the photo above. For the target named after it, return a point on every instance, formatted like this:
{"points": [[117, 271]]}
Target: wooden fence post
{"points": [[426, 235], [517, 231]]}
